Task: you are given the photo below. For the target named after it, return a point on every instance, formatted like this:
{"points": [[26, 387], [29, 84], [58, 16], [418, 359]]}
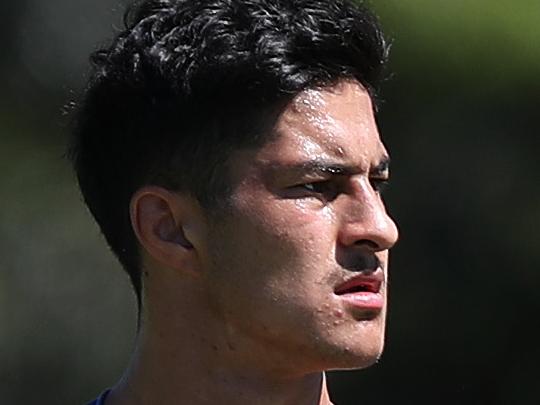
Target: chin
{"points": [[356, 358], [354, 364], [358, 350], [363, 359]]}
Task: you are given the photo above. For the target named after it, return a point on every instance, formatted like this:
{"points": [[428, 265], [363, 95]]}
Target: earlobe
{"points": [[159, 218]]}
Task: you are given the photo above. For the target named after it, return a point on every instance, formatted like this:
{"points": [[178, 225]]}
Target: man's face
{"points": [[297, 264]]}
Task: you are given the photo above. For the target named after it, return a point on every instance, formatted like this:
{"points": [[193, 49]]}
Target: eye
{"points": [[326, 189], [318, 187], [379, 184]]}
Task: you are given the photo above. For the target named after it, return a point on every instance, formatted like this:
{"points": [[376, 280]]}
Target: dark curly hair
{"points": [[188, 81]]}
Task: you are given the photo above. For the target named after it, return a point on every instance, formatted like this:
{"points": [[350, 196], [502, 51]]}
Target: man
{"points": [[229, 152]]}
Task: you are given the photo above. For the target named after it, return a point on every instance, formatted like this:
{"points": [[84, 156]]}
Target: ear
{"points": [[167, 226]]}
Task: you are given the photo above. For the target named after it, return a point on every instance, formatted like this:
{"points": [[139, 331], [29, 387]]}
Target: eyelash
{"points": [[330, 187], [379, 185], [327, 189], [316, 184]]}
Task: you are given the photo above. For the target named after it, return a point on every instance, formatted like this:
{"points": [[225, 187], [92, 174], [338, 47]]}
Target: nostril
{"points": [[367, 243]]}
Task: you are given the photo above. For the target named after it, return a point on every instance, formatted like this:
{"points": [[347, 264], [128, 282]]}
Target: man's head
{"points": [[306, 234], [243, 132]]}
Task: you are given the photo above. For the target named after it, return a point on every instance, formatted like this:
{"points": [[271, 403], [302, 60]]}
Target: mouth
{"points": [[363, 292]]}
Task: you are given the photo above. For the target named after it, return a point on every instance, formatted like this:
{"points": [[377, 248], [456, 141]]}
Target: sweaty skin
{"points": [[288, 247], [256, 319]]}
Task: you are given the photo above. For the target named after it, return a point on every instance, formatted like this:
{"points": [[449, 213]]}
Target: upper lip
{"points": [[361, 282]]}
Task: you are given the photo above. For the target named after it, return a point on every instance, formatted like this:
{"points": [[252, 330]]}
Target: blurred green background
{"points": [[460, 118]]}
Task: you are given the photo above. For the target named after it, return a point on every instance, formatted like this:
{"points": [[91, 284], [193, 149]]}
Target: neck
{"points": [[176, 377], [184, 357]]}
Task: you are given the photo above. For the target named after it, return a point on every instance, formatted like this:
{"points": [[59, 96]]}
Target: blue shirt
{"points": [[100, 400]]}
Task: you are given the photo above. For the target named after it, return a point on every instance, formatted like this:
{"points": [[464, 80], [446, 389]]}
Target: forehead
{"points": [[333, 122]]}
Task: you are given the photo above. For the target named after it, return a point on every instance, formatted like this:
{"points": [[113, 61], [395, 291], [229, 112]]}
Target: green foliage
{"points": [[485, 42]]}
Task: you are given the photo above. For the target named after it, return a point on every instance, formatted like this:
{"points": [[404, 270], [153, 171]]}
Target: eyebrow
{"points": [[325, 167]]}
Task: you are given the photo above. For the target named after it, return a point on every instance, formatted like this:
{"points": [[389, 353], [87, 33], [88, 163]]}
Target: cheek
{"points": [[284, 253], [273, 247], [295, 236], [298, 224]]}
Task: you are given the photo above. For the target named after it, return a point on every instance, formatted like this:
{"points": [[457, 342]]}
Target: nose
{"points": [[365, 222]]}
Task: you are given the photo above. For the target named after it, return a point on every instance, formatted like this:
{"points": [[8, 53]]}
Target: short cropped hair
{"points": [[189, 81]]}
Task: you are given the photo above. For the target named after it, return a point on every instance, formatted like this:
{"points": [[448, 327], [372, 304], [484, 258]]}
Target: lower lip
{"points": [[364, 300]]}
